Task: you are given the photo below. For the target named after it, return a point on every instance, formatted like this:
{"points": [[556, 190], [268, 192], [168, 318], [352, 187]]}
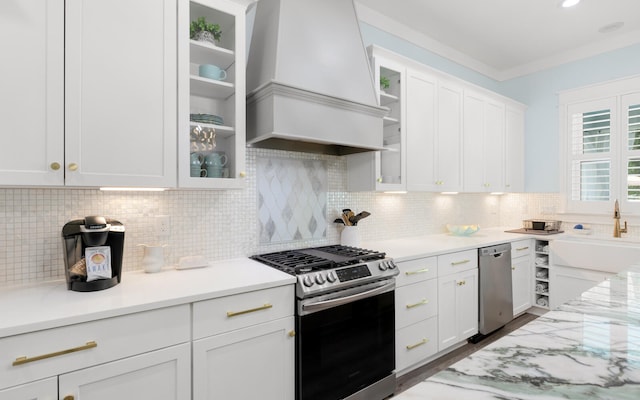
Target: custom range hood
{"points": [[309, 83]]}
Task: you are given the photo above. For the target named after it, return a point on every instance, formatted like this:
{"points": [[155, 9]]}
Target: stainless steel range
{"points": [[345, 321]]}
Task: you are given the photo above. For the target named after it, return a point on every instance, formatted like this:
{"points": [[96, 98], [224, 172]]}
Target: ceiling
{"points": [[504, 39]]}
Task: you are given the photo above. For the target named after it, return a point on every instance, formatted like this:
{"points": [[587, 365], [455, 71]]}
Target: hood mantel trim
{"points": [[282, 89]]}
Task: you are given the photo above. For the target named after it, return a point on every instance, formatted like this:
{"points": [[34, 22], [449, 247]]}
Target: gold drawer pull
{"points": [[461, 283], [460, 262], [522, 248], [420, 303], [234, 313], [419, 271], [24, 360], [420, 343]]}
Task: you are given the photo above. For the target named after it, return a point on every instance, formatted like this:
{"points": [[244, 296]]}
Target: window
{"points": [[601, 137]]}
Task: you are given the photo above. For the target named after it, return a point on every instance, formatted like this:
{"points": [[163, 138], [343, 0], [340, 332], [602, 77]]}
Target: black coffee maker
{"points": [[93, 249]]}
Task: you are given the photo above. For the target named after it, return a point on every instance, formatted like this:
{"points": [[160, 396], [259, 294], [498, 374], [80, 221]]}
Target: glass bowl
{"points": [[462, 230]]}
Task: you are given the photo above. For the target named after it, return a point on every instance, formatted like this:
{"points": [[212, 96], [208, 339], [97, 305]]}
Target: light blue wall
{"points": [[539, 91]]}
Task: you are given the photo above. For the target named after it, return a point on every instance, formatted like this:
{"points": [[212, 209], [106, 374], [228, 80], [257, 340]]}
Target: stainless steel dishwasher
{"points": [[496, 299]]}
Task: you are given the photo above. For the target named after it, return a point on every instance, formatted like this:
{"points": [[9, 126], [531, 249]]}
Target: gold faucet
{"points": [[617, 231]]}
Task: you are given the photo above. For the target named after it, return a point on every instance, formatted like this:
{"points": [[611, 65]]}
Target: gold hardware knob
{"points": [[73, 167], [242, 174], [68, 398], [513, 268], [55, 166], [292, 333], [379, 180]]}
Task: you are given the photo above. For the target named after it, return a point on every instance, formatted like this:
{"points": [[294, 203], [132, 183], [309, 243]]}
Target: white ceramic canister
{"points": [[350, 236]]}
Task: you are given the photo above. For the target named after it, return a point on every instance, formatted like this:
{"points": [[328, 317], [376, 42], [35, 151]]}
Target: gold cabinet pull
{"points": [[418, 271], [24, 360], [454, 263], [292, 333], [242, 174], [73, 167], [55, 166], [234, 313], [68, 397], [420, 303], [462, 283], [522, 248], [420, 343]]}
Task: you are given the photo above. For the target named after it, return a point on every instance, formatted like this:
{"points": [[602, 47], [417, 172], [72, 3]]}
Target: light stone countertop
{"points": [[48, 305]]}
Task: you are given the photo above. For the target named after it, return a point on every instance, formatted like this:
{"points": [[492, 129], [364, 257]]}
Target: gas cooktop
{"points": [[326, 269], [300, 261]]}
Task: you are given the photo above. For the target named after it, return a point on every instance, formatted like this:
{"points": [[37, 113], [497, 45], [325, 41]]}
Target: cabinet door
{"points": [[449, 139], [32, 94], [467, 303], [484, 121], [251, 363], [566, 283], [514, 150], [120, 93], [212, 112], [158, 375], [457, 308], [521, 284], [422, 174], [45, 389]]}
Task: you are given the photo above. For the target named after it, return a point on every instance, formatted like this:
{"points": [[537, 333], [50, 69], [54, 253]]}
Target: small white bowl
{"points": [[463, 230]]}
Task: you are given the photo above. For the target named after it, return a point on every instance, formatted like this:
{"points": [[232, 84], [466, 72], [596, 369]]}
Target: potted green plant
{"points": [[200, 29], [384, 83]]}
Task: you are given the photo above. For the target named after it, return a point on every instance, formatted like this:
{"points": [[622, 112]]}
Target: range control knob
{"points": [[382, 265], [392, 265], [331, 277], [320, 279], [307, 281]]}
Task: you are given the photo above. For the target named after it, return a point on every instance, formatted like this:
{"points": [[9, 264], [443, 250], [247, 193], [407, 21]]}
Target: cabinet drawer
{"points": [[416, 302], [456, 262], [416, 343], [54, 351], [224, 314], [521, 248], [416, 270]]}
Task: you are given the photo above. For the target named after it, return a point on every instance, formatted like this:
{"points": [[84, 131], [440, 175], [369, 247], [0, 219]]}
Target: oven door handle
{"points": [[323, 305]]}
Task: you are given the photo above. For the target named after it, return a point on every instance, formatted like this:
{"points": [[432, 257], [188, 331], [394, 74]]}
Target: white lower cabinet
{"points": [[569, 282], [158, 375], [521, 263], [243, 346], [250, 363], [416, 299], [143, 355], [457, 297]]}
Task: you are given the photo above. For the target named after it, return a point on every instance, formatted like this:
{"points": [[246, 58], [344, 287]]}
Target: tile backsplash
{"points": [[226, 224]]}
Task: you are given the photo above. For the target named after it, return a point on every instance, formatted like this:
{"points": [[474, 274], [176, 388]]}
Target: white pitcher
{"points": [[153, 259]]}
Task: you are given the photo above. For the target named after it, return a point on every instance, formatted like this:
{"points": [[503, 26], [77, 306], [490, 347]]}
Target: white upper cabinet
{"points": [[484, 151], [514, 149], [32, 94], [434, 133], [384, 170], [120, 93], [211, 99]]}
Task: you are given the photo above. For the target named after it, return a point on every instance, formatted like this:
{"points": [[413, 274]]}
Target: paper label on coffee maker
{"points": [[98, 262]]}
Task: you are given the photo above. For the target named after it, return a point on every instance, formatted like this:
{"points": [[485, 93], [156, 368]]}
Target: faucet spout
{"points": [[617, 231]]}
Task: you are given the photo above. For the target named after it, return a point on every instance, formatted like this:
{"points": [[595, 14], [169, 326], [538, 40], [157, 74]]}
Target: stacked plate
{"points": [[206, 119]]}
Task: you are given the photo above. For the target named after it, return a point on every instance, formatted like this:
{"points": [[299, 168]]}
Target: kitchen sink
{"points": [[601, 254]]}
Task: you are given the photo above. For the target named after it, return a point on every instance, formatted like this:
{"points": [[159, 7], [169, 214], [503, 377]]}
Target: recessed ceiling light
{"points": [[614, 26], [569, 3]]}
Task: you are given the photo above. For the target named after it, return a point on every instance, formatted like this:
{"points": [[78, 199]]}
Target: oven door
{"points": [[345, 341]]}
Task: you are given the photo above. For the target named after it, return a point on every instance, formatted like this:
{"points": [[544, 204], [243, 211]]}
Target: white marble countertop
{"points": [[589, 348], [42, 306]]}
